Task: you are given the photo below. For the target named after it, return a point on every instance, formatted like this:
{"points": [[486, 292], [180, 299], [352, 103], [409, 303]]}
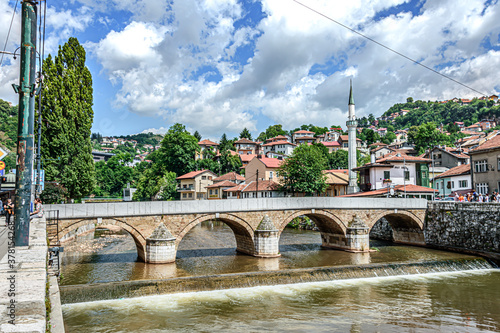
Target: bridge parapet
{"points": [[144, 208]]}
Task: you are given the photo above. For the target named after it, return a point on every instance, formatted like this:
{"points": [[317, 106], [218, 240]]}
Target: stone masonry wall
{"points": [[381, 230], [470, 226]]}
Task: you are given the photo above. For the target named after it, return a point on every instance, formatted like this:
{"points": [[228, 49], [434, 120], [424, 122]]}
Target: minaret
{"points": [[351, 128]]}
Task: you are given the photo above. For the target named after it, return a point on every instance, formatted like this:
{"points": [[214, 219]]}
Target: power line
{"points": [[388, 48], [8, 34]]}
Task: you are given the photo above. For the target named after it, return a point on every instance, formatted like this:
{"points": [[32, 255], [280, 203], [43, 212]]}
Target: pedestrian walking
{"points": [[9, 210]]}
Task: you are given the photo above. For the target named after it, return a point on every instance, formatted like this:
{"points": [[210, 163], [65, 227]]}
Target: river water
{"points": [[453, 302]]}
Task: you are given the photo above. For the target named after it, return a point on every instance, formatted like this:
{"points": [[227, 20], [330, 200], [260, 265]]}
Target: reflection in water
{"points": [[447, 302], [209, 249]]}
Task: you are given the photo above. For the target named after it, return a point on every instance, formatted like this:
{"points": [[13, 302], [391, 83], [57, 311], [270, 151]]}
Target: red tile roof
{"points": [[271, 162], [493, 143], [245, 158], [410, 188], [337, 170], [225, 183], [232, 176], [346, 138], [305, 138], [463, 169], [264, 185], [193, 174], [207, 143], [245, 140], [278, 143], [392, 157], [331, 144], [303, 132], [236, 188]]}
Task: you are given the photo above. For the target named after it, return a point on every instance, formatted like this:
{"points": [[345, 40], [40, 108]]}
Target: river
{"points": [[458, 301]]}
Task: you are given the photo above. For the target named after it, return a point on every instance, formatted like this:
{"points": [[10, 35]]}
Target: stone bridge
{"points": [[157, 227]]}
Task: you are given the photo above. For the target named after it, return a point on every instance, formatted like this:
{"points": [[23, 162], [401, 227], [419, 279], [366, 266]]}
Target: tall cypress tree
{"points": [[67, 120]]}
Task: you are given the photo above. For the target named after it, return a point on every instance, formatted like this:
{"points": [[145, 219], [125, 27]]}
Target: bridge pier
{"points": [[408, 236], [266, 239], [160, 246], [356, 239]]}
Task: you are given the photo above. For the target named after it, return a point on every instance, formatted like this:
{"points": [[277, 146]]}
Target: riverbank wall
{"points": [[24, 286], [456, 226]]}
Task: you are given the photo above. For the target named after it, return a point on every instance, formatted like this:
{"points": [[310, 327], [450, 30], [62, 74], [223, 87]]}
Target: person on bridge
{"points": [[9, 210], [38, 213]]}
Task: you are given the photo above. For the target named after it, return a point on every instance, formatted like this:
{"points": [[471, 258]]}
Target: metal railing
{"points": [[52, 223]]}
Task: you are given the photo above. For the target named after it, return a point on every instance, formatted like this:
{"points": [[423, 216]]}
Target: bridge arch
{"points": [[139, 240], [324, 220], [401, 219], [243, 232]]}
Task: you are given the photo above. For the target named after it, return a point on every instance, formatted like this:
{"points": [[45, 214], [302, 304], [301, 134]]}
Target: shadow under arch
{"points": [[400, 220], [243, 232], [324, 220], [407, 228], [139, 240]]}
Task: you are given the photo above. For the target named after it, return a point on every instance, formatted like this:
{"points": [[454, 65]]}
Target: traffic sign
{"points": [[3, 153], [2, 165]]}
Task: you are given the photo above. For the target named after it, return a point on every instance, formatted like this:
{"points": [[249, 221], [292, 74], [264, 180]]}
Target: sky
{"points": [[218, 66]]}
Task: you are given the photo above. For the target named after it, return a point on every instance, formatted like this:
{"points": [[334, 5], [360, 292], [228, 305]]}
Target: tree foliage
{"points": [[245, 134], [302, 171], [426, 136], [8, 132], [68, 116], [271, 132], [113, 175]]}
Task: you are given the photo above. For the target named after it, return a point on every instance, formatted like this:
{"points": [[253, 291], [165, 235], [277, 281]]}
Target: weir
{"points": [[129, 289]]}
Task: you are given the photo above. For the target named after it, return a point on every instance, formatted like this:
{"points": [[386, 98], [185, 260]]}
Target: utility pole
{"points": [[257, 187], [26, 114]]}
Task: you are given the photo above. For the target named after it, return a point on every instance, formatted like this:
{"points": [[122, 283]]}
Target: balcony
{"points": [[189, 188]]}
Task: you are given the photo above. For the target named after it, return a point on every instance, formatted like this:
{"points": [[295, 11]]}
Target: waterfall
{"points": [[129, 289]]}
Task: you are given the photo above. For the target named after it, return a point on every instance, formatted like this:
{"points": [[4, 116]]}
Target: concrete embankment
{"points": [[129, 289], [23, 277]]}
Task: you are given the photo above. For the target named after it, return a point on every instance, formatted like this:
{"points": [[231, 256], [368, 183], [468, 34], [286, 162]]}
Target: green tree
{"points": [[389, 138], [8, 132], [168, 187], [426, 136], [54, 193], [229, 162], [338, 159], [271, 132], [197, 136], [155, 186], [246, 134], [68, 116], [302, 171], [370, 136], [113, 175], [178, 149]]}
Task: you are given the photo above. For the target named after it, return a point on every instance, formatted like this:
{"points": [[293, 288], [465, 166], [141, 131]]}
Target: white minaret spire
{"points": [[351, 128]]}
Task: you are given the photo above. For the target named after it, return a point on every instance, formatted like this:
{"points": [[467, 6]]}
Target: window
{"points": [[480, 166], [270, 175], [482, 188], [203, 177], [437, 185], [210, 192], [190, 195], [216, 191], [498, 165], [184, 195], [407, 175], [387, 175]]}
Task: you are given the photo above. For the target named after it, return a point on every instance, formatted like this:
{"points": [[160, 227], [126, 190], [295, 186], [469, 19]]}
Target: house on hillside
{"points": [[344, 142], [193, 185], [448, 157], [263, 168], [283, 148], [331, 145], [455, 180], [255, 189], [337, 181], [300, 134], [394, 169], [245, 146], [485, 166], [206, 145]]}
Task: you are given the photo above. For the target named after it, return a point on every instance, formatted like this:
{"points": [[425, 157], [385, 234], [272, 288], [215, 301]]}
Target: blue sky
{"points": [[218, 66]]}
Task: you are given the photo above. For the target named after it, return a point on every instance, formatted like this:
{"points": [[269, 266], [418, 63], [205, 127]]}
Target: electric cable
{"points": [[8, 34], [388, 48]]}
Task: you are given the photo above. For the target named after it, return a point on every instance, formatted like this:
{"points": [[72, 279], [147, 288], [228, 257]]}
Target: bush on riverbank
{"points": [[302, 223]]}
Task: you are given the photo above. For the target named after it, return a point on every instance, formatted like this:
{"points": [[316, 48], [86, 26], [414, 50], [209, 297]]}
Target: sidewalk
{"points": [[3, 237]]}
